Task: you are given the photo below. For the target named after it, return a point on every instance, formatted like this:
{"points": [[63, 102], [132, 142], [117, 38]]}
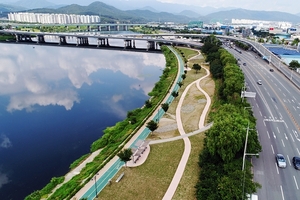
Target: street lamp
{"points": [[250, 154], [291, 74], [95, 179]]}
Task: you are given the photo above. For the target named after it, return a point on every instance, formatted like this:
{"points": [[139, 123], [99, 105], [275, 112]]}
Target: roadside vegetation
{"points": [[151, 180], [221, 161], [114, 138]]}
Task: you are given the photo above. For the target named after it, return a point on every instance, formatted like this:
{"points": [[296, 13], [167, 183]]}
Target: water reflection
{"points": [[55, 101], [29, 80]]}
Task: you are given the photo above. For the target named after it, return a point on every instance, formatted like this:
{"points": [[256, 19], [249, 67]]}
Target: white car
{"points": [[280, 161], [259, 82]]}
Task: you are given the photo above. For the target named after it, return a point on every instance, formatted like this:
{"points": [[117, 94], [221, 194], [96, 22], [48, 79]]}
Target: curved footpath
{"points": [[110, 169], [104, 176], [187, 145]]}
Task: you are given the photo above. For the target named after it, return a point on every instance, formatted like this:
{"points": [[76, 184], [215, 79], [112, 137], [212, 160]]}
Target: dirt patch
{"points": [[191, 109]]}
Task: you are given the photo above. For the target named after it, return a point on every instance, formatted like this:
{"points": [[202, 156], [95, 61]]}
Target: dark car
{"points": [[280, 160], [296, 162], [244, 64], [271, 70]]}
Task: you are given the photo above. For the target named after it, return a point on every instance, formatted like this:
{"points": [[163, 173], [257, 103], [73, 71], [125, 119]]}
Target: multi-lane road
{"points": [[277, 109]]}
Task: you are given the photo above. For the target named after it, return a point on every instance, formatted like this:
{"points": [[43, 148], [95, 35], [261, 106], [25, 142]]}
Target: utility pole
{"points": [[250, 154]]}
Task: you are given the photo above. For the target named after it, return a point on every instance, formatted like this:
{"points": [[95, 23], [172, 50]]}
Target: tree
{"points": [[294, 64], [196, 67], [125, 155], [296, 41], [165, 106], [174, 94], [180, 84], [183, 76], [152, 125], [148, 104]]}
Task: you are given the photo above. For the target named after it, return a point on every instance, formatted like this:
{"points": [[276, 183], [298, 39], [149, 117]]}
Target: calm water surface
{"points": [[55, 101]]}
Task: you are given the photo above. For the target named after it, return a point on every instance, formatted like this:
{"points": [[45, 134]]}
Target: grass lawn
{"points": [[151, 180]]}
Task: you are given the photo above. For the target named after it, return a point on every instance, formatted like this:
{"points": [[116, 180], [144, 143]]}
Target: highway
{"points": [[277, 110]]}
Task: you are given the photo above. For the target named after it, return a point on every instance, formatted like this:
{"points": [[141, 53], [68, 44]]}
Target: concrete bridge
{"points": [[103, 41]]}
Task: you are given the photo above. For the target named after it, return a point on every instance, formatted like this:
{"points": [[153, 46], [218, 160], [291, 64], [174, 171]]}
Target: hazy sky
{"points": [[291, 6]]}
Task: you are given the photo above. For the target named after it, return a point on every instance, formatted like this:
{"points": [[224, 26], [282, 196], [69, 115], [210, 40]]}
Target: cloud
{"points": [[64, 98], [3, 179], [5, 142]]}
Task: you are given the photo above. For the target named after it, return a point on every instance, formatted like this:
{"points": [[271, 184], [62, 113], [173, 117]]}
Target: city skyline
{"points": [[289, 6]]}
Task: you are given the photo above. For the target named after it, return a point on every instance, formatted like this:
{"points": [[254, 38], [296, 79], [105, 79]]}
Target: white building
{"points": [[47, 18]]}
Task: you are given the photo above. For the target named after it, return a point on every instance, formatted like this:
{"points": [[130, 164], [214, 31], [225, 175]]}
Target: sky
{"points": [[290, 6]]}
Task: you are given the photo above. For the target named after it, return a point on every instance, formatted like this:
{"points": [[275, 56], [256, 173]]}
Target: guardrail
{"points": [[275, 61]]}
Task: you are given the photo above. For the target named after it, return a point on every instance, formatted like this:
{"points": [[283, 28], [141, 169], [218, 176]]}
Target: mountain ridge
{"points": [[112, 14]]}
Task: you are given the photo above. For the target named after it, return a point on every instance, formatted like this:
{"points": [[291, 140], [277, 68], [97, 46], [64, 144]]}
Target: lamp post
{"points": [[291, 74], [95, 179], [250, 154]]}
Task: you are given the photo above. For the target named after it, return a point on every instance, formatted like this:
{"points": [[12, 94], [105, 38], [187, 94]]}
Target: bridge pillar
{"points": [[88, 28], [41, 39], [82, 41], [22, 37], [127, 44], [118, 28], [18, 38], [99, 28], [62, 40], [150, 45], [108, 28], [126, 27]]}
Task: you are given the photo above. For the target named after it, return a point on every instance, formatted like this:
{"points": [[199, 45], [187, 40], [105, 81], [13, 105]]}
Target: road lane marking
{"points": [[264, 123], [282, 143], [260, 113], [298, 150], [281, 192], [296, 135], [278, 129], [292, 137], [274, 135], [276, 107], [280, 115], [286, 136], [276, 168], [289, 100], [296, 183], [284, 95], [289, 159], [269, 94], [286, 125], [268, 134], [272, 149], [294, 108]]}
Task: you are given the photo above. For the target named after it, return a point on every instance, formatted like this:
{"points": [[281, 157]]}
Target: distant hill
{"points": [[190, 14], [110, 14], [10, 8], [225, 16]]}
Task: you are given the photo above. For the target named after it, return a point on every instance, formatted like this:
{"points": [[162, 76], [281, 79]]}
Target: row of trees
{"points": [[113, 139], [221, 175]]}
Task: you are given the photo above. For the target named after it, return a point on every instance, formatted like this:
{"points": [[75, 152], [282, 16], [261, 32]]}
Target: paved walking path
{"points": [[104, 176], [112, 167], [187, 145]]}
